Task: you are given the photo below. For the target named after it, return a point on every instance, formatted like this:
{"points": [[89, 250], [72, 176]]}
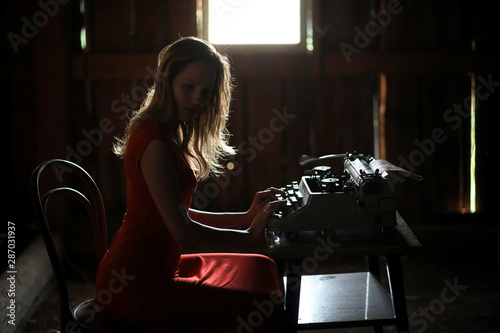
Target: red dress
{"points": [[144, 279]]}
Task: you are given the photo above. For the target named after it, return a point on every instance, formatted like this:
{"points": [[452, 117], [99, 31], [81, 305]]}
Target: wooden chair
{"points": [[85, 317]]}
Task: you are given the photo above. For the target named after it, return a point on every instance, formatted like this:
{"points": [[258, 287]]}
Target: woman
{"points": [[177, 137]]}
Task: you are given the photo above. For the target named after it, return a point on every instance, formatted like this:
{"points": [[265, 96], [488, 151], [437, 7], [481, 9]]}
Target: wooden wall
{"points": [[63, 102]]}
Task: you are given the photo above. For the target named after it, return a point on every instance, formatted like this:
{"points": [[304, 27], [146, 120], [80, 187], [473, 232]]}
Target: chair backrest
{"points": [[94, 206]]}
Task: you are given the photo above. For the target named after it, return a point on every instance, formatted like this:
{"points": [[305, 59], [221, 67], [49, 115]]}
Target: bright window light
{"points": [[257, 22], [472, 193], [473, 145]]}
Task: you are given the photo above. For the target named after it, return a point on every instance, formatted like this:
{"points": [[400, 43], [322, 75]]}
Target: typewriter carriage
{"points": [[357, 197]]}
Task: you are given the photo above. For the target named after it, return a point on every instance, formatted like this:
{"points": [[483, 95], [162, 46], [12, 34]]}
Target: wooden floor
{"points": [[452, 285]]}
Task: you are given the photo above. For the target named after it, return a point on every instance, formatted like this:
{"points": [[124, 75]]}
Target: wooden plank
{"points": [[181, 20], [429, 144], [52, 109], [150, 25], [445, 144], [340, 18], [134, 65], [403, 25], [262, 148], [97, 66], [345, 123], [300, 105], [109, 26], [266, 65], [112, 100], [443, 25], [418, 63], [403, 125]]}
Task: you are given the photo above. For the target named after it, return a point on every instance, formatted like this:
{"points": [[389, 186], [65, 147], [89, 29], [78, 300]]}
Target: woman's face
{"points": [[193, 88]]}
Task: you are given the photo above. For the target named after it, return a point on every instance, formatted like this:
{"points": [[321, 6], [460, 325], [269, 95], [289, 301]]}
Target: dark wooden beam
{"points": [[106, 66], [276, 65], [102, 66], [369, 62]]}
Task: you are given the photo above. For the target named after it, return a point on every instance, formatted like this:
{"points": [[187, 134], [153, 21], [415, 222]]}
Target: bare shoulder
{"points": [[156, 158]]}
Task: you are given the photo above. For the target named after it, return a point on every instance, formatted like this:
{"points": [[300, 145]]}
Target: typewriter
{"points": [[358, 197]]}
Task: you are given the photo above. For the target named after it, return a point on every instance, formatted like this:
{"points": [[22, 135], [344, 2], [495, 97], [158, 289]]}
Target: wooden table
{"points": [[319, 301]]}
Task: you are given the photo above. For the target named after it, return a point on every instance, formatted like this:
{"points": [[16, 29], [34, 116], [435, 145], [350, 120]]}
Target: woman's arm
{"points": [[236, 219], [160, 173], [219, 220]]}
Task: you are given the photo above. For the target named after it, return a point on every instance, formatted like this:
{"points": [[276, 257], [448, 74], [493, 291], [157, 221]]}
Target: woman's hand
{"points": [[259, 221], [261, 199]]}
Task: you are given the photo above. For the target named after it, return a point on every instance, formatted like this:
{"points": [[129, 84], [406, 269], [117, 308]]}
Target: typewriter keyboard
{"points": [[293, 198]]}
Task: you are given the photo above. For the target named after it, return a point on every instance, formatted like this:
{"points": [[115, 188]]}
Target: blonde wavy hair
{"points": [[204, 139]]}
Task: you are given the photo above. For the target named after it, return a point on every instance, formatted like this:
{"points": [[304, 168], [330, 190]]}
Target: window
{"points": [[255, 23]]}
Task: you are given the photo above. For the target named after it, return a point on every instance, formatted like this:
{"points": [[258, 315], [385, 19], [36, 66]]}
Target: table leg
{"points": [[292, 299], [374, 269], [281, 266], [395, 276]]}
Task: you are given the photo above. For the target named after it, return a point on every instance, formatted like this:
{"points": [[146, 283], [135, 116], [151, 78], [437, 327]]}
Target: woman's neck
{"points": [[173, 128]]}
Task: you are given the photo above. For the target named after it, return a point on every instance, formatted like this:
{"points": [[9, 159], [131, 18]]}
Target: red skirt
{"points": [[221, 292]]}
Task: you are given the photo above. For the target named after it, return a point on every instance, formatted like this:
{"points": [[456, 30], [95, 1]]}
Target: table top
{"points": [[388, 240]]}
